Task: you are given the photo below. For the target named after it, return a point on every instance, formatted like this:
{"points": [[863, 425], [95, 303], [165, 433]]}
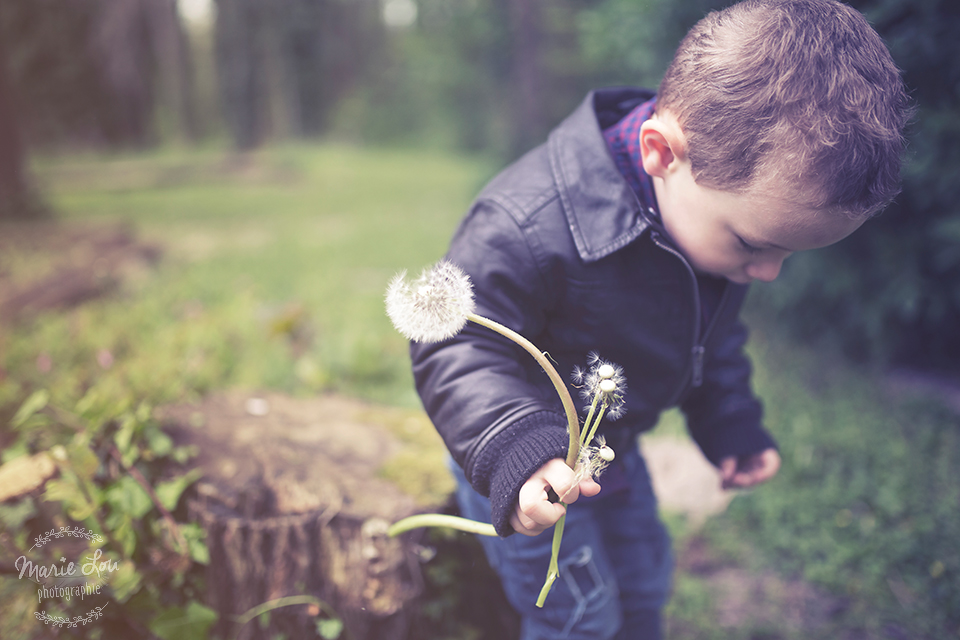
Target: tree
{"points": [[284, 65], [17, 200], [97, 72]]}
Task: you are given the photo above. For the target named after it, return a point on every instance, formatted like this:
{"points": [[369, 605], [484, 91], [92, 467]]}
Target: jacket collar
{"points": [[602, 210]]}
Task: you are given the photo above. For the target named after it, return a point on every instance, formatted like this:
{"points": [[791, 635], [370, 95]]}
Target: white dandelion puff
{"points": [[594, 460], [434, 307], [603, 378]]}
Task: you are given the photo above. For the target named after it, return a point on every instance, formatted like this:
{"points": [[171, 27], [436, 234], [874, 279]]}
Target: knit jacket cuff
{"points": [[509, 460]]}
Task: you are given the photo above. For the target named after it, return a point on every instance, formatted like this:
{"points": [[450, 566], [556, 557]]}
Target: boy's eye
{"points": [[746, 246]]}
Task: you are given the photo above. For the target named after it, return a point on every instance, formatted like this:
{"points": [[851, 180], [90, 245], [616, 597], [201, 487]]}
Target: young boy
{"points": [[634, 232]]}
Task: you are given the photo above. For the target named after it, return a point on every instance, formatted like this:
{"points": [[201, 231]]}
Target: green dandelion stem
{"points": [[553, 571], [440, 520], [586, 435], [573, 421], [573, 427], [596, 423], [287, 601]]}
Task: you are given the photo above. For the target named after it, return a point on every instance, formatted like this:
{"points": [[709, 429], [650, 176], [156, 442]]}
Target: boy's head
{"points": [[779, 128], [799, 93]]}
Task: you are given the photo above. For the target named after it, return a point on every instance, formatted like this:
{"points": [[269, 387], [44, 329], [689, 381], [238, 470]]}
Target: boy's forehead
{"points": [[782, 223]]}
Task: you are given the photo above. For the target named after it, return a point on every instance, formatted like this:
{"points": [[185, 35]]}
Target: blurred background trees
{"points": [[482, 76]]}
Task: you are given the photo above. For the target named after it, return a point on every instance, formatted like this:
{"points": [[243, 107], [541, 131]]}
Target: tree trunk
{"points": [[527, 74], [17, 200], [171, 50], [239, 44], [293, 503]]}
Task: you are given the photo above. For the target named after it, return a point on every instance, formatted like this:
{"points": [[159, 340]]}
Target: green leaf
{"points": [[66, 491], [125, 581], [14, 451], [124, 436], [125, 534], [15, 514], [36, 402], [330, 628], [170, 491], [264, 620], [159, 442], [128, 497], [184, 623], [83, 460], [196, 542]]}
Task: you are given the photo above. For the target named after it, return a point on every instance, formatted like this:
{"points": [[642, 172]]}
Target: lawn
{"points": [[271, 276]]}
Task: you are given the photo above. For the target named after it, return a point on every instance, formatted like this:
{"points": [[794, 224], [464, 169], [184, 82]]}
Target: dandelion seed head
{"points": [[594, 459], [434, 307], [603, 378]]}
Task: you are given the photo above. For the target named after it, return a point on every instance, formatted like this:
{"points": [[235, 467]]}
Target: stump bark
{"points": [[293, 502]]}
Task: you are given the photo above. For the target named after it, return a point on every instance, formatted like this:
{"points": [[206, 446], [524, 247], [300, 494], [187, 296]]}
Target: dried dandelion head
{"points": [[434, 307], [604, 379], [594, 459]]}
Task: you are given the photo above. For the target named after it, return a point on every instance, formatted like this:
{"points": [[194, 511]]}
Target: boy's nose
{"points": [[765, 270]]}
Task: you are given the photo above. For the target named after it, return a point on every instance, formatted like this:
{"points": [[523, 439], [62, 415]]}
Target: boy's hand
{"points": [[747, 471], [534, 511]]}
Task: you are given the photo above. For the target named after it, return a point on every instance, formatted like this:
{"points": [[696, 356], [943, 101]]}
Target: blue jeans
{"points": [[615, 561]]}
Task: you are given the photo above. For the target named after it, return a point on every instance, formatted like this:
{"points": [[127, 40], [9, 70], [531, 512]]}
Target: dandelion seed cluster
{"points": [[434, 307], [604, 378], [594, 460]]}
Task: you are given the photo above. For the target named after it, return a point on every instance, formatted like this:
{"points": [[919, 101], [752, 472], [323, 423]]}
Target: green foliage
{"points": [[110, 456], [184, 623], [865, 503]]}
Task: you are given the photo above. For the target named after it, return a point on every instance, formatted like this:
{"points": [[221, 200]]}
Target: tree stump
{"points": [[294, 502]]}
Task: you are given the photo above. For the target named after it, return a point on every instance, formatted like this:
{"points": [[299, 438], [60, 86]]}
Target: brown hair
{"points": [[802, 91]]}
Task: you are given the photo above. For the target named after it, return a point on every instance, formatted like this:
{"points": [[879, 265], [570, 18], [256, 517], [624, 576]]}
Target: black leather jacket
{"points": [[560, 249]]}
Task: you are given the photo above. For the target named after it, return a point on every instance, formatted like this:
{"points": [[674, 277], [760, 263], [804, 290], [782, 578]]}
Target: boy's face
{"points": [[741, 237], [738, 236]]}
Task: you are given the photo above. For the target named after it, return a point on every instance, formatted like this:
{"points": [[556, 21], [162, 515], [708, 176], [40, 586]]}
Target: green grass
{"points": [[280, 251], [865, 512]]}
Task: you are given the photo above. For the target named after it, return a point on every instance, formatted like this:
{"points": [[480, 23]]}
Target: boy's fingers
{"points": [[768, 465], [534, 504], [751, 470], [728, 469], [589, 487], [535, 512], [559, 477], [523, 524], [540, 518]]}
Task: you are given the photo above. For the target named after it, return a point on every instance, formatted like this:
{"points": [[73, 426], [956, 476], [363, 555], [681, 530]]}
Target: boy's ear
{"points": [[661, 146]]}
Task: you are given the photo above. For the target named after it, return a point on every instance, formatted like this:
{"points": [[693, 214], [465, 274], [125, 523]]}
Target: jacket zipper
{"points": [[698, 350]]}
